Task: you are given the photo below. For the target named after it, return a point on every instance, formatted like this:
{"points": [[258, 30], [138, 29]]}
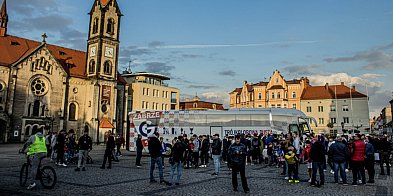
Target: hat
{"points": [[218, 135], [291, 148]]}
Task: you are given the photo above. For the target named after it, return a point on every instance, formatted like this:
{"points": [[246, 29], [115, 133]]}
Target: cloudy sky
{"points": [[209, 47]]}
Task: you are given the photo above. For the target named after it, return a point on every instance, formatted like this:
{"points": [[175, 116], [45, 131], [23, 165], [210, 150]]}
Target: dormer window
{"points": [[108, 68], [92, 66], [95, 26], [110, 26]]}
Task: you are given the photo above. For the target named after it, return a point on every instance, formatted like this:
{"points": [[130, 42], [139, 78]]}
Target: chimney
{"points": [[245, 81], [342, 83], [353, 87], [326, 86]]}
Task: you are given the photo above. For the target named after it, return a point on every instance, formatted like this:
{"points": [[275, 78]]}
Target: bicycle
{"points": [[45, 174]]}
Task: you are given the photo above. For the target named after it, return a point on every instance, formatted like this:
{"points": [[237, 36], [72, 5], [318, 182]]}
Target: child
{"points": [[292, 161], [306, 155], [265, 156]]}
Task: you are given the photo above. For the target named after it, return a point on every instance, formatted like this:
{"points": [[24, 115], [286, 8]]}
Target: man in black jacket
{"points": [[216, 153], [154, 147], [317, 155], [139, 148], [338, 153], [85, 145], [237, 153], [384, 154], [60, 148], [110, 146], [177, 160]]}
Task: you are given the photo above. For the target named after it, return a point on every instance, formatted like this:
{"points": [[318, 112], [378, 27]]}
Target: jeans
{"points": [[369, 163], [153, 162], [196, 158], [339, 166], [242, 170], [292, 168], [317, 166], [82, 158], [107, 156], [358, 166], [179, 167], [35, 162], [384, 156], [217, 163], [138, 156]]}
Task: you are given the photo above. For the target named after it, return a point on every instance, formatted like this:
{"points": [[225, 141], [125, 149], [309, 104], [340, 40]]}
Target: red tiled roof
{"points": [[105, 123], [328, 92], [15, 48], [261, 84], [104, 2], [249, 88], [186, 105], [237, 90], [294, 81]]}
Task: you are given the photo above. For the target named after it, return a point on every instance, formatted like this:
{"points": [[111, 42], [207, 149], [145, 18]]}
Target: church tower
{"points": [[103, 41], [3, 19]]}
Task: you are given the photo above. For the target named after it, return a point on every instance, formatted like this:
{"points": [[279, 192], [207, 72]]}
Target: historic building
{"points": [[276, 93], [335, 108], [48, 87], [148, 91], [197, 104]]}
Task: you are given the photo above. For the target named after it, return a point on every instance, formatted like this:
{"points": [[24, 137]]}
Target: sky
{"points": [[209, 47]]}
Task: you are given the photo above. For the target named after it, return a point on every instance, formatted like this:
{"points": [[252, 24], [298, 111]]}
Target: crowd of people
{"points": [[319, 153]]}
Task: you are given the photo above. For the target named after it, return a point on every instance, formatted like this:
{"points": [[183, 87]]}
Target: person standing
{"points": [[139, 148], [216, 154], [238, 153], [204, 151], [384, 154], [110, 146], [256, 148], [60, 149], [370, 159], [53, 145], [85, 145], [292, 168], [195, 152], [119, 141], [358, 151], [163, 151], [177, 160], [317, 155], [155, 157], [338, 153]]}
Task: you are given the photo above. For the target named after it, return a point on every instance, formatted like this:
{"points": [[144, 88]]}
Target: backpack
{"points": [[255, 142]]}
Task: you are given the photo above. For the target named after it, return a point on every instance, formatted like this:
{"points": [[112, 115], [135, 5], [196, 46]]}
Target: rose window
{"points": [[39, 87]]}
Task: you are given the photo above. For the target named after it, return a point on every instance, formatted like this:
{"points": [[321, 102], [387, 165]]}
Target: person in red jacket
{"points": [[358, 151], [307, 159]]}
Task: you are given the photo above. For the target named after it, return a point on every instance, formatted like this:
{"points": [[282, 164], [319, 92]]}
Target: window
{"points": [[278, 95], [110, 26], [276, 80], [92, 66], [272, 95], [147, 105], [320, 108], [333, 120], [285, 105], [36, 108], [345, 108], [147, 91], [95, 26], [72, 112], [308, 108], [278, 105], [321, 121], [259, 95], [333, 108], [163, 106], [346, 119], [293, 94], [143, 105], [273, 106], [195, 105], [294, 106], [259, 106], [108, 68], [286, 95]]}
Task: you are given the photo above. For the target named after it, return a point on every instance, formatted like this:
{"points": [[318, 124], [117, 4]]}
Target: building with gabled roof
{"points": [[51, 88], [197, 104]]}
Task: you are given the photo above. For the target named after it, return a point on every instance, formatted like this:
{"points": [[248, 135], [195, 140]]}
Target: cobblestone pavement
{"points": [[126, 179]]}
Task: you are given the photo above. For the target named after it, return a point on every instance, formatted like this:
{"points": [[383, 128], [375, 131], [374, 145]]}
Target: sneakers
{"points": [[138, 166], [246, 190], [309, 180], [286, 178], [64, 165], [331, 171], [31, 186], [290, 181], [214, 174], [297, 181], [346, 170]]}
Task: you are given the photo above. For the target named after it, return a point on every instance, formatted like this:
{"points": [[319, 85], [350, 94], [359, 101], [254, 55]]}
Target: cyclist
{"points": [[36, 152]]}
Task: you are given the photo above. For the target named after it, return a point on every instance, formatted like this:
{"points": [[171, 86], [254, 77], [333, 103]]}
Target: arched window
{"points": [[95, 26], [293, 94], [108, 68], [28, 130], [110, 26], [36, 108], [92, 66], [195, 105], [72, 112], [43, 110], [278, 95], [272, 95]]}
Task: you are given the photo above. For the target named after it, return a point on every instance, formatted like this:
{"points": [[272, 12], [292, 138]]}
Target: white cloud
{"points": [[217, 97], [337, 78]]}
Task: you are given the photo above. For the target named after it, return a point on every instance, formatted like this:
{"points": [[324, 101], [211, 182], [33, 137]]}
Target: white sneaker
{"points": [[286, 178], [201, 166], [346, 170], [331, 171], [309, 180], [31, 186], [64, 165]]}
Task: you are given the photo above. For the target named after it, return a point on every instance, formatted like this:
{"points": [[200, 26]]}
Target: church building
{"points": [[52, 88]]}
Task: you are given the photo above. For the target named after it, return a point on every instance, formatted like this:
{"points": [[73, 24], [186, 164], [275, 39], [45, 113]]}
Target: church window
{"points": [[72, 112], [39, 87], [110, 26], [92, 66], [95, 26], [108, 68], [36, 108], [43, 110]]}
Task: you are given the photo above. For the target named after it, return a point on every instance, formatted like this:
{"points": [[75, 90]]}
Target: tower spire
{"points": [[3, 19]]}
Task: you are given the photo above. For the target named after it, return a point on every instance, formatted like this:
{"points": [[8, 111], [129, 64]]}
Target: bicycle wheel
{"points": [[23, 175], [48, 177]]}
